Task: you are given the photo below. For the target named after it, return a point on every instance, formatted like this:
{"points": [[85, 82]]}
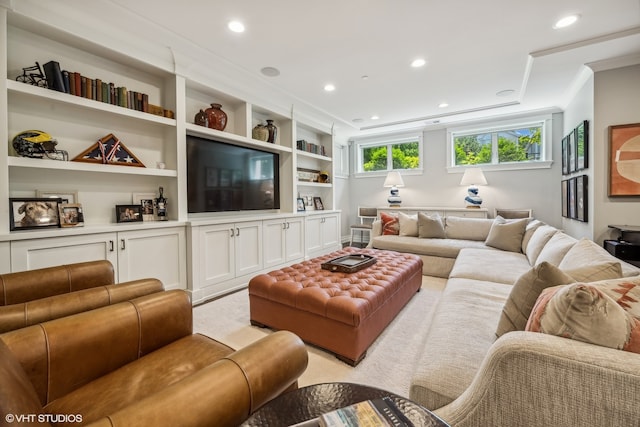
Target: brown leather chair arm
{"points": [[225, 393], [29, 313], [64, 354], [30, 285]]}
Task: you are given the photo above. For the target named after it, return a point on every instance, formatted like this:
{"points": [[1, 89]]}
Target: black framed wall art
{"points": [[581, 137]]}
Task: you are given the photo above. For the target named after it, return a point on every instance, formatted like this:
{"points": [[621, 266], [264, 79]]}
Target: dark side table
{"points": [[310, 402]]}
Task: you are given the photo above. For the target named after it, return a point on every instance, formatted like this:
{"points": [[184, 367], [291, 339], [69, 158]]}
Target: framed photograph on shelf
{"points": [[128, 213], [147, 202], [581, 198], [624, 160], [581, 136], [317, 203], [71, 215], [66, 196], [30, 213], [300, 204], [565, 198]]}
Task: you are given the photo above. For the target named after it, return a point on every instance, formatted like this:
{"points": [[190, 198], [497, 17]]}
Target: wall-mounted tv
{"points": [[226, 177]]}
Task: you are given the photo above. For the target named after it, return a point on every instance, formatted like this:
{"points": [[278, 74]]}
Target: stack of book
{"points": [[309, 147], [86, 87]]}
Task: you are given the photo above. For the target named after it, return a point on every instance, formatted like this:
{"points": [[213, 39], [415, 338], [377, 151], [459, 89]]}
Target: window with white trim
{"points": [[515, 144], [381, 155]]}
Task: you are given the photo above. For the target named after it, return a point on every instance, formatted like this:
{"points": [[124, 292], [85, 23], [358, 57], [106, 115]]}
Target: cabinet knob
{"points": [[111, 247], [237, 231], [122, 244], [232, 232]]}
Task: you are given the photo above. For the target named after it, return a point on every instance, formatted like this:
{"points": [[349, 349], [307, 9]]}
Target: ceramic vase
{"points": [[260, 132], [273, 131], [216, 118]]}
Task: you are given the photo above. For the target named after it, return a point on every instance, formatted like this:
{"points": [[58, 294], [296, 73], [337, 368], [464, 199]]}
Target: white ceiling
{"points": [[473, 49]]}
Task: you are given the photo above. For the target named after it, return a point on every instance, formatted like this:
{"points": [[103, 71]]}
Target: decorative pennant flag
{"points": [[109, 150]]}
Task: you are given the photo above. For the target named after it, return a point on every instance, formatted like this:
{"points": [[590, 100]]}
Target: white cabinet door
{"points": [[5, 257], [248, 247], [216, 254], [157, 253], [274, 236], [331, 232], [41, 253], [294, 239], [313, 234]]}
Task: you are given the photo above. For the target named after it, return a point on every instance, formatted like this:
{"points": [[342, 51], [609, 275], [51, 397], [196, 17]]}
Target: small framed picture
{"points": [[66, 196], [70, 215], [128, 213], [29, 213], [147, 201], [317, 203], [301, 205]]}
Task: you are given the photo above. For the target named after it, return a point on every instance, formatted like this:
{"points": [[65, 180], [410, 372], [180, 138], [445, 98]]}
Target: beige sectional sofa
{"points": [[470, 377]]}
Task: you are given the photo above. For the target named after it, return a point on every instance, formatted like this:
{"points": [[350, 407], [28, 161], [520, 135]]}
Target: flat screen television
{"points": [[226, 177]]}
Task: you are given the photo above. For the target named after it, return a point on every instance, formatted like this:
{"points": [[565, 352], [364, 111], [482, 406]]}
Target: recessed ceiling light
{"points": [[374, 117], [566, 21], [505, 92], [329, 87], [357, 120], [236, 26], [365, 77], [417, 63], [443, 105], [270, 71]]}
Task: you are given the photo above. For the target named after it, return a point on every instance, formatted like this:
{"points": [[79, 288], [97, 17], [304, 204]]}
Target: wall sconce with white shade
{"points": [[394, 180], [473, 177]]}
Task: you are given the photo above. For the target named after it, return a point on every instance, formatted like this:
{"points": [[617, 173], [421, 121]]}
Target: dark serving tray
{"points": [[349, 263]]}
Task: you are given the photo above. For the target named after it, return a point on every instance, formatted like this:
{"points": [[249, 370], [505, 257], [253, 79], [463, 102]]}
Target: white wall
{"points": [[538, 189], [617, 101], [581, 108]]}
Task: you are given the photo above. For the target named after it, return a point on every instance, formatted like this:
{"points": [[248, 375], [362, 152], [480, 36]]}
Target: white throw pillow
{"points": [[408, 224]]}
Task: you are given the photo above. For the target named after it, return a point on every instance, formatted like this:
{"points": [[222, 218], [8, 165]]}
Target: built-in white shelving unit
{"points": [[159, 142]]}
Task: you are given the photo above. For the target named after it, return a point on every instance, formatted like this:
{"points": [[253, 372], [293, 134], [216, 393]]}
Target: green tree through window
{"points": [[514, 145], [404, 155]]}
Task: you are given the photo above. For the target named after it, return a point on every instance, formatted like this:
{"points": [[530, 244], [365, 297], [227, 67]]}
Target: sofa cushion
{"points": [[586, 251], [507, 234], [430, 226], [538, 239], [524, 294], [528, 232], [583, 312], [556, 248], [390, 224], [446, 248], [408, 224], [467, 228], [528, 287], [490, 265], [460, 335]]}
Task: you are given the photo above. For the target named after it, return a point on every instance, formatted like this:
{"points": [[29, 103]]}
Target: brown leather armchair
{"points": [[138, 363], [35, 296]]}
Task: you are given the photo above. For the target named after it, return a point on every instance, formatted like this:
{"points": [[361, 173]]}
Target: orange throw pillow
{"points": [[390, 224]]}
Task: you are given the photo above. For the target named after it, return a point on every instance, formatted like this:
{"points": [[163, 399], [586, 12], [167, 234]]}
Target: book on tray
{"points": [[380, 412]]}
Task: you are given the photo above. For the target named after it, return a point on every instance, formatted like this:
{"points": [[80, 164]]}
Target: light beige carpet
{"points": [[390, 360]]}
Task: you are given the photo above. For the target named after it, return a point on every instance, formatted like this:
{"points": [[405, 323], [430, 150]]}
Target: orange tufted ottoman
{"points": [[340, 312]]}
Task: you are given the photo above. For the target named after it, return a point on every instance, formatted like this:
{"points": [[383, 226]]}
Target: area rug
{"points": [[390, 360]]}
